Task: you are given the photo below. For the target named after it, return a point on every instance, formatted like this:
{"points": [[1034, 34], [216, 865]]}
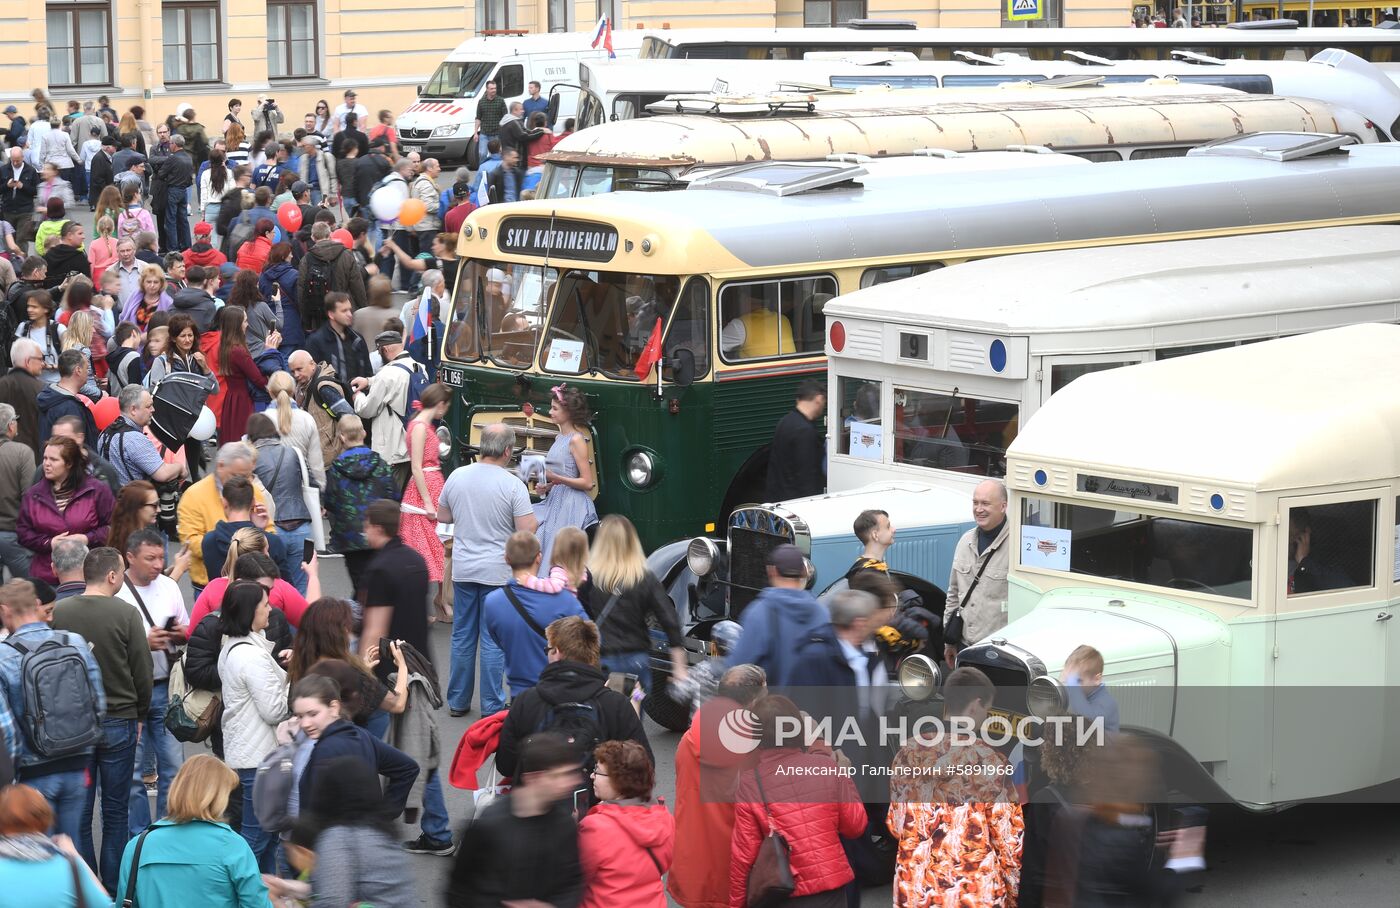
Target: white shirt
{"points": [[358, 110], [164, 601]]}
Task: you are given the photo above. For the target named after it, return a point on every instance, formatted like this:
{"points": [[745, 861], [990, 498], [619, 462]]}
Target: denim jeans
{"points": [[263, 843], [160, 751], [434, 822], [110, 769], [468, 600], [378, 724], [14, 556], [482, 151], [638, 664], [66, 792], [295, 540], [177, 221]]}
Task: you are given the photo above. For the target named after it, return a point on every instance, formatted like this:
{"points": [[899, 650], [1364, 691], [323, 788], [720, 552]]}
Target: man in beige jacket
{"points": [[977, 584]]}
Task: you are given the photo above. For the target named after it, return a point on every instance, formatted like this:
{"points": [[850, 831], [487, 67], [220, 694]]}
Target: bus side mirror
{"points": [[683, 367], [418, 90], [553, 112]]}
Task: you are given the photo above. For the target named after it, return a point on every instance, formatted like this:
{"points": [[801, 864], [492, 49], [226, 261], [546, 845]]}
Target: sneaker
{"points": [[425, 845], [458, 713]]}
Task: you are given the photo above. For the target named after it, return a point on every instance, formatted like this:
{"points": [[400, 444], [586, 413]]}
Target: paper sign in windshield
{"points": [[565, 356], [1045, 547], [867, 441]]}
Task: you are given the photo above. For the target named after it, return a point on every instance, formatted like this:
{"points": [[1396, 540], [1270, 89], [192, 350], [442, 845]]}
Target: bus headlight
{"points": [[701, 555], [1045, 697], [919, 677], [641, 469], [444, 438]]}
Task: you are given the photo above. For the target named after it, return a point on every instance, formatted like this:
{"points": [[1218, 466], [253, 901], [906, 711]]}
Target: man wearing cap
{"points": [[316, 169], [14, 135], [21, 185], [780, 619], [133, 175], [383, 398], [102, 170], [203, 251], [349, 107]]}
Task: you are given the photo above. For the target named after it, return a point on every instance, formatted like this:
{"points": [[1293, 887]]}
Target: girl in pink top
{"points": [[567, 563]]}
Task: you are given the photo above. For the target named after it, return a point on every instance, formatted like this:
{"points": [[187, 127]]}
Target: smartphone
{"points": [[308, 551], [170, 623], [386, 655]]}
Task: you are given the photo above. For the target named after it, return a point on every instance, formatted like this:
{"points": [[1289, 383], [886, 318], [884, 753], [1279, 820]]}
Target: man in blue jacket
{"points": [[517, 615], [780, 618]]}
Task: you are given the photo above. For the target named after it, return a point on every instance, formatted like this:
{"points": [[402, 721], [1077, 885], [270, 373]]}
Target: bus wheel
{"points": [[663, 710]]}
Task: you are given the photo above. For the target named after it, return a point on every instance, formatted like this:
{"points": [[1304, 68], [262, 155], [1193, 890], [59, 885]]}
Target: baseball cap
{"points": [[387, 337], [228, 269], [203, 228], [11, 109], [788, 561], [299, 187]]}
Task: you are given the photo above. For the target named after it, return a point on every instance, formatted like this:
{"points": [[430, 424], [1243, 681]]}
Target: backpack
{"points": [[417, 382], [191, 715], [119, 377], [313, 298], [61, 718], [240, 233], [581, 724], [273, 785], [445, 199]]}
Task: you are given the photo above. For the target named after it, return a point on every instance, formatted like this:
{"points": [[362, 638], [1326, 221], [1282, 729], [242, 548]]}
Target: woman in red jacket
{"points": [[237, 371], [809, 800], [68, 502], [626, 842], [253, 253]]}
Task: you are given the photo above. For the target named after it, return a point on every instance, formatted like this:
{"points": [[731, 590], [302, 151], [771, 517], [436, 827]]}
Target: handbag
{"points": [[770, 880], [311, 496]]}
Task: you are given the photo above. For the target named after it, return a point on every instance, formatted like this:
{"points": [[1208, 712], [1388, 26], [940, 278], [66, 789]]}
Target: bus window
{"points": [[947, 432], [980, 80], [499, 311], [1254, 85], [858, 403], [510, 81], [874, 276], [559, 181], [595, 181], [1396, 566], [690, 329], [1145, 154], [891, 81], [1331, 547], [1063, 373], [1169, 552], [1098, 157], [603, 320], [1174, 352], [764, 319]]}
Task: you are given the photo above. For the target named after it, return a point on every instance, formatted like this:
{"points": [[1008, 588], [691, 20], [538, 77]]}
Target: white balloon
{"points": [[387, 200], [205, 426]]}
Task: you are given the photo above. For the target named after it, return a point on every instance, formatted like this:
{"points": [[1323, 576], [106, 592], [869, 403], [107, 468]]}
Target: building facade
{"points": [[162, 53]]}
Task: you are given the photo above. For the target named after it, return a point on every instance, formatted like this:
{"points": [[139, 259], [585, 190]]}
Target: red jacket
{"points": [[253, 254], [811, 806], [89, 513], [613, 841], [204, 255]]}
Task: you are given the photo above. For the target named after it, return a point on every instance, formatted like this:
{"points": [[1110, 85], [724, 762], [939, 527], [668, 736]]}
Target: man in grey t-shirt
{"points": [[485, 503]]}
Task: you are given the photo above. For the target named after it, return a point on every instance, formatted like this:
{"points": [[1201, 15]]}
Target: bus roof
{"points": [[496, 47], [1073, 119], [979, 213], [1185, 281], [1303, 412]]}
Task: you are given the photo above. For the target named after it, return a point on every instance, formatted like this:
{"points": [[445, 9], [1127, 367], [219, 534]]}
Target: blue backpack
{"points": [[444, 202], [417, 381]]}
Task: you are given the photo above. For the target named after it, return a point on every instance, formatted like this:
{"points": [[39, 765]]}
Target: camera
{"points": [[269, 104]]}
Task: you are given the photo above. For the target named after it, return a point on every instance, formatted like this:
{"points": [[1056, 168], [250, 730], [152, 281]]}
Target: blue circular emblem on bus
{"points": [[997, 355], [1040, 477], [1217, 501]]}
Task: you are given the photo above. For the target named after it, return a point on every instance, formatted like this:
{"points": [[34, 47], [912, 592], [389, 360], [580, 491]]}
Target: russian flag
{"points": [[419, 328], [603, 35]]}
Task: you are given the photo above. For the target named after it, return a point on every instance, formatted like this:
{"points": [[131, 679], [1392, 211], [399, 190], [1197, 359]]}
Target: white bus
{"points": [[441, 122], [1375, 44], [612, 90]]}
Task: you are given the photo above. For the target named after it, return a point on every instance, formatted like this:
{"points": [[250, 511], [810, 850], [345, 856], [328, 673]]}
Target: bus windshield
{"points": [[458, 79], [1169, 552], [602, 321], [566, 181], [498, 312]]}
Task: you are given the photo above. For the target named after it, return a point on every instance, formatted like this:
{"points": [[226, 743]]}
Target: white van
{"points": [[441, 122]]}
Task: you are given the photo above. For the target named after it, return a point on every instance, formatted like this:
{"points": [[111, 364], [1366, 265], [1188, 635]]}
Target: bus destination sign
{"points": [[1127, 488], [567, 239]]}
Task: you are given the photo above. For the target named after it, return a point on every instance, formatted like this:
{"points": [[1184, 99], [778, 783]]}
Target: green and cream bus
{"points": [[574, 290], [1099, 124]]}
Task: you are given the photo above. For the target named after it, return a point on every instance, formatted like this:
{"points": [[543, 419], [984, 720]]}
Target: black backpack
{"points": [[313, 298], [240, 233], [61, 718], [581, 724]]}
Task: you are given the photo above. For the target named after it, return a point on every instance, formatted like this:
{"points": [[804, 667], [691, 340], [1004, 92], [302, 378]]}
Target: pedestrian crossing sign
{"points": [[1017, 10]]}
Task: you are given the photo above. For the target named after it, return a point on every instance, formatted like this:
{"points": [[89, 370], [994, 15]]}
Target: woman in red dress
{"points": [[418, 527], [236, 371]]}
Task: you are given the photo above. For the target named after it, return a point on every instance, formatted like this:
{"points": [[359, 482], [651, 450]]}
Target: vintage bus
{"points": [[1125, 122], [582, 291], [931, 377], [612, 90], [1374, 44], [1222, 527]]}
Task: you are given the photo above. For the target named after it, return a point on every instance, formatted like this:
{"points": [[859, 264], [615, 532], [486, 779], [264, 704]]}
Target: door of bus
{"points": [[1331, 630]]}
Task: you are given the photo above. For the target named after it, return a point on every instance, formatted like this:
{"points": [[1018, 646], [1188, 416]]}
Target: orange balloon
{"points": [[105, 412], [412, 212]]}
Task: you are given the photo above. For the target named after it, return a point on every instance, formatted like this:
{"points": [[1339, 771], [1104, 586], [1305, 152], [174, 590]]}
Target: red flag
{"points": [[651, 353]]}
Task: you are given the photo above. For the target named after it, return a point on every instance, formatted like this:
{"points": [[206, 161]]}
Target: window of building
{"points": [[190, 42], [292, 50], [80, 44], [831, 13], [559, 15], [609, 8], [494, 14]]}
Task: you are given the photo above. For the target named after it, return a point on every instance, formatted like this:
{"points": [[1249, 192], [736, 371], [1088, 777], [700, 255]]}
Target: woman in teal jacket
{"points": [[192, 850], [34, 869]]}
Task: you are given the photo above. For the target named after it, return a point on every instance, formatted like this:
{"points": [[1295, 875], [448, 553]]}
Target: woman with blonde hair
{"points": [[149, 298], [193, 850], [295, 424], [80, 337], [102, 251], [285, 598], [619, 595], [127, 126]]}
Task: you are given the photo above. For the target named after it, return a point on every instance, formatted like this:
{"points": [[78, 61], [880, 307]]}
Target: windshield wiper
{"points": [[590, 345]]}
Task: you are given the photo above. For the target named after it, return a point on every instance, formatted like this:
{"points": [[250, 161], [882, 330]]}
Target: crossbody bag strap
{"points": [[758, 780], [139, 602], [130, 900], [975, 580], [79, 897], [520, 608], [607, 610]]}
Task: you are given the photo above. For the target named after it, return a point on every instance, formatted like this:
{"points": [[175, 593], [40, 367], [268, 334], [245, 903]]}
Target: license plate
{"points": [[450, 376], [407, 148], [1011, 719]]}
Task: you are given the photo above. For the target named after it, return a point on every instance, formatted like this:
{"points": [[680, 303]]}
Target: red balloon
{"points": [[105, 412], [343, 237], [289, 216]]}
